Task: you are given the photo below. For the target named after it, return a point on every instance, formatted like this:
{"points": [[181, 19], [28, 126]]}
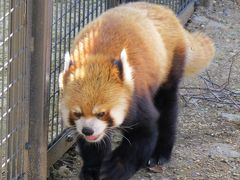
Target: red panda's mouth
{"points": [[91, 138], [94, 138]]}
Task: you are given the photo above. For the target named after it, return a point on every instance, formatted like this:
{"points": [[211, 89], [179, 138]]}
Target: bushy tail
{"points": [[200, 53]]}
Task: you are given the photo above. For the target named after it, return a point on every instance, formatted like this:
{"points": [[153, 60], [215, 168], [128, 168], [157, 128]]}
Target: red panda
{"points": [[123, 72]]}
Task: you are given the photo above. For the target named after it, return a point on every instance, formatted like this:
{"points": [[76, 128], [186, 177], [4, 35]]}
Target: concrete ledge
{"points": [[186, 13], [58, 148]]}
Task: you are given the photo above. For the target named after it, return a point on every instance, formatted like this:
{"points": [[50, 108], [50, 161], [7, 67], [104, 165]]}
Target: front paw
{"points": [[158, 160], [89, 174], [114, 168]]}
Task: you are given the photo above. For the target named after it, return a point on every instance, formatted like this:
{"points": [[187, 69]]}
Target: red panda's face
{"points": [[93, 122], [94, 98]]}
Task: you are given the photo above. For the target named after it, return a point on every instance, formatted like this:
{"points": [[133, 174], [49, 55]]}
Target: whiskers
{"points": [[112, 130], [105, 142], [71, 130], [126, 128]]}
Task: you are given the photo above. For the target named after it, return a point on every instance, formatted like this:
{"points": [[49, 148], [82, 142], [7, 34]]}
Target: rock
{"points": [[156, 169], [206, 3], [231, 117], [64, 171], [223, 151], [226, 12], [200, 19], [215, 25]]}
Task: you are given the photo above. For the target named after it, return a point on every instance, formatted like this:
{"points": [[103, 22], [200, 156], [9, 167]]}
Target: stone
{"points": [[64, 171], [231, 117], [222, 151]]}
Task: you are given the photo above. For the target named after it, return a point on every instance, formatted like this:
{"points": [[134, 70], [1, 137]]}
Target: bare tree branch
{"points": [[213, 92]]}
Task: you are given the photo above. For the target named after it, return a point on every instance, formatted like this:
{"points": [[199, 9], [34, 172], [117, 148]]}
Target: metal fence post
{"points": [[41, 18]]}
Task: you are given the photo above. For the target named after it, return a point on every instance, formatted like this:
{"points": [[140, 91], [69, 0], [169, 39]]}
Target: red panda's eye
{"points": [[77, 114], [100, 115]]}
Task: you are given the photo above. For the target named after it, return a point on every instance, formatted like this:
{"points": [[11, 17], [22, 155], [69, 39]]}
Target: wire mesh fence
{"points": [[13, 95], [176, 5], [221, 93]]}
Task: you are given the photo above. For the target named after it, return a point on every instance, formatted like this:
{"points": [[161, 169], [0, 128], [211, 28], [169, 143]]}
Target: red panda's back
{"points": [[129, 28]]}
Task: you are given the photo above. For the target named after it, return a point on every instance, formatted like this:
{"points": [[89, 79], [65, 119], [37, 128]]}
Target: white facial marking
{"points": [[97, 125], [77, 109], [67, 61], [118, 113], [127, 69], [97, 109]]}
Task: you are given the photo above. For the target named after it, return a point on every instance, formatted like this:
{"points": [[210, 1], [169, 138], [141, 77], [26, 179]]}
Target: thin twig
{"points": [[213, 92]]}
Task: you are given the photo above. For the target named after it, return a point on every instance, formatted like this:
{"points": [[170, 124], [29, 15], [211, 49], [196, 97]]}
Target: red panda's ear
{"points": [[119, 66], [68, 69], [60, 81], [127, 69], [67, 62]]}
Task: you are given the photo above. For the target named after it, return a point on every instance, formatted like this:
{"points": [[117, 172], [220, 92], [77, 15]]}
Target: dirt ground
{"points": [[208, 139]]}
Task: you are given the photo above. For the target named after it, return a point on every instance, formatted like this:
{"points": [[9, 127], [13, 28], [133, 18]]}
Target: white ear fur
{"points": [[65, 113], [60, 80], [123, 55], [127, 69], [67, 61], [66, 67]]}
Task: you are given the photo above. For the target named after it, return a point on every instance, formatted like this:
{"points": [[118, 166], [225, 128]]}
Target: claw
{"points": [[156, 169], [162, 160]]}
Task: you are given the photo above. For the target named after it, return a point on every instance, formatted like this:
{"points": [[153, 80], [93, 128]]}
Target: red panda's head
{"points": [[96, 94]]}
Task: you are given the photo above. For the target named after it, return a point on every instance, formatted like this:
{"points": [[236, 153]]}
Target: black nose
{"points": [[87, 131]]}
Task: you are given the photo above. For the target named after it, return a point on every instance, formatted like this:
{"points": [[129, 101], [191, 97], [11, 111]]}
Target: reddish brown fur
{"points": [[99, 81], [151, 35], [153, 51]]}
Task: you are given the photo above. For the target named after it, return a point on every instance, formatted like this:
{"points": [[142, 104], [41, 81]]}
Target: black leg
{"points": [[166, 102], [136, 148], [92, 155]]}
